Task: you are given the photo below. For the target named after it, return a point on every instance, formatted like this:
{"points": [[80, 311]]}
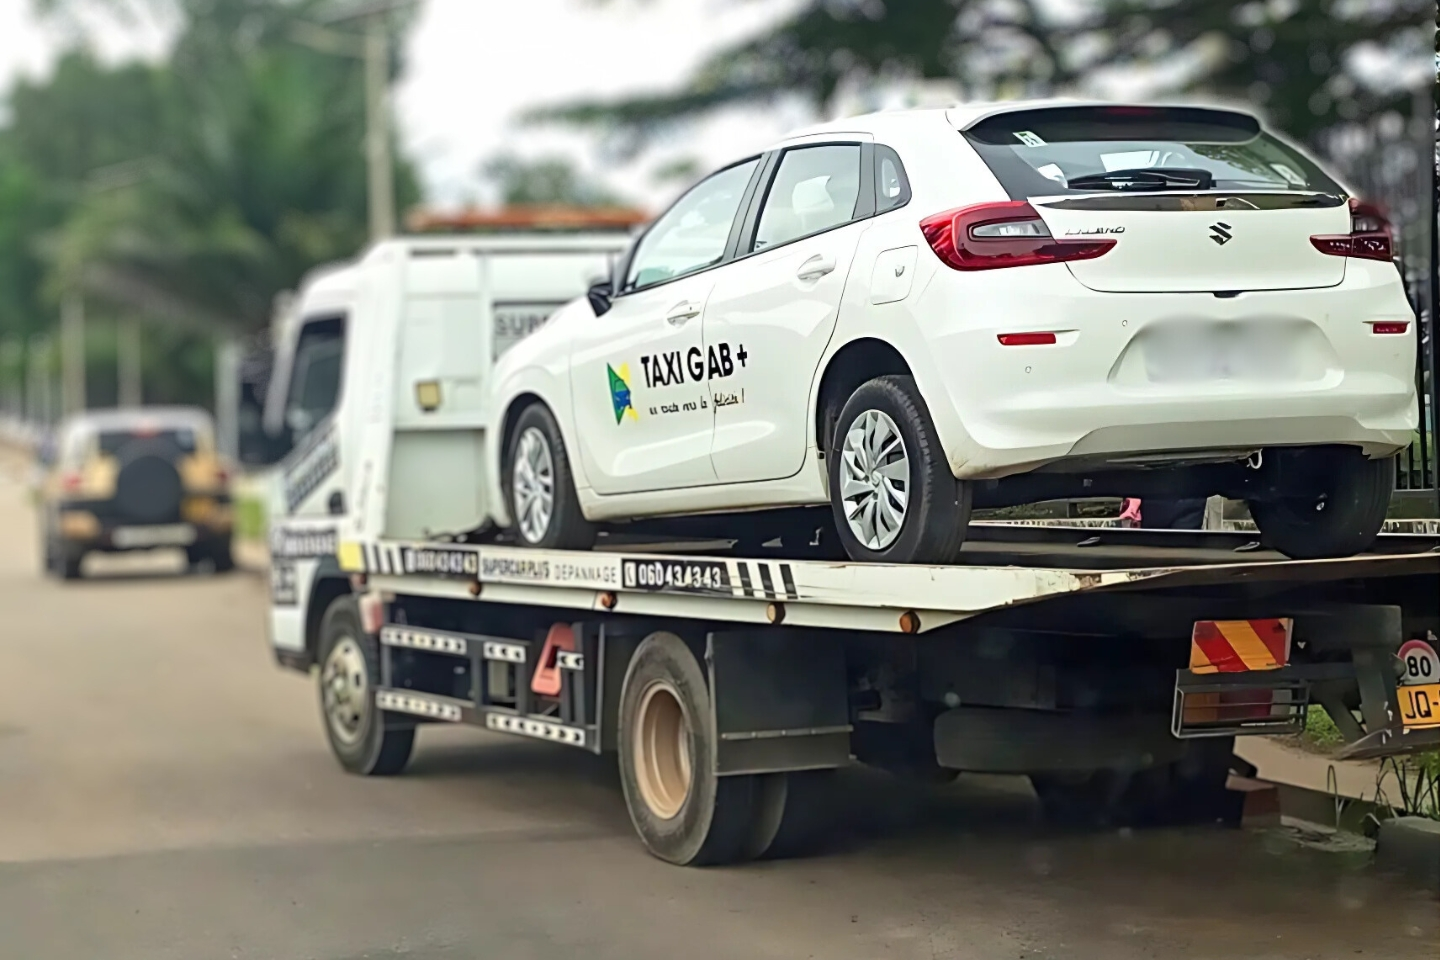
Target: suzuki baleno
{"points": [[911, 314]]}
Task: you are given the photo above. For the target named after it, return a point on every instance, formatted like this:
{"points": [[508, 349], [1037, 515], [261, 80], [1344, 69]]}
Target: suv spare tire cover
{"points": [[148, 488]]}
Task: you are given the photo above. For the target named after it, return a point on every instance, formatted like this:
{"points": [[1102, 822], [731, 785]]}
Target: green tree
{"points": [[1290, 57]]}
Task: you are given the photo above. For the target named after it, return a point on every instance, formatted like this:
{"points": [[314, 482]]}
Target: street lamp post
{"points": [[373, 48]]}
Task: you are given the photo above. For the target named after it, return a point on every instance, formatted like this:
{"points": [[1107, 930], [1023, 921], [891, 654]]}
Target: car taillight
{"points": [[992, 235], [71, 482], [1370, 238]]}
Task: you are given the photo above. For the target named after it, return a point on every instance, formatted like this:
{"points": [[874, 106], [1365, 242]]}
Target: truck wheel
{"points": [[1344, 519], [541, 487], [894, 498], [365, 740], [216, 551], [794, 813], [683, 812]]}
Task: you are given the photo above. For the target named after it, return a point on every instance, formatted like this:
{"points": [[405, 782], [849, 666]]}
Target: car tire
{"points": [[218, 552], [929, 526], [366, 740], [683, 812], [540, 486], [1343, 520]]}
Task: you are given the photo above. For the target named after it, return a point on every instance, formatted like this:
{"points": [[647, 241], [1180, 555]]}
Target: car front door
{"points": [[638, 372], [772, 311]]}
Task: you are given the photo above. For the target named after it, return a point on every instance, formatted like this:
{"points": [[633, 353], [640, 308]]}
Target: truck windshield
{"points": [[1070, 150]]}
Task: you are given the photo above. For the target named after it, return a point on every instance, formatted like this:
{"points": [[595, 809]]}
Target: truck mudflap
{"points": [[1244, 678]]}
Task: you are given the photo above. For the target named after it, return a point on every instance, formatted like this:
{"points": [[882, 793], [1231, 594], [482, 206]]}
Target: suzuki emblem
{"points": [[1220, 233]]}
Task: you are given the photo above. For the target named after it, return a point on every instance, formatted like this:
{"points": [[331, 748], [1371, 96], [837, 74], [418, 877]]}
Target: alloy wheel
{"points": [[874, 479]]}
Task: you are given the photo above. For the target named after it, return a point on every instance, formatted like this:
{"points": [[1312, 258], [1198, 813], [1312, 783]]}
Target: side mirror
{"points": [[599, 296]]}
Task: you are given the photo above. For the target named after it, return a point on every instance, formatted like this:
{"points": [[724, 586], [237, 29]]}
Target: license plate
{"points": [[166, 535], [1187, 353], [1419, 705]]}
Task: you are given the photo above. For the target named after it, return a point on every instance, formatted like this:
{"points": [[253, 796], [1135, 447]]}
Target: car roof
{"points": [[131, 417]]}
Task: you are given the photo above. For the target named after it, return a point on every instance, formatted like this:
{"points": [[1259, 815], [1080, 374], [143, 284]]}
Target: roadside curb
{"points": [[1410, 846]]}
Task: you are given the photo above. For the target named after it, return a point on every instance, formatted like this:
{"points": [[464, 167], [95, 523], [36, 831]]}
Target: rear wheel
{"points": [[891, 489], [683, 812], [365, 740], [1342, 510], [544, 508]]}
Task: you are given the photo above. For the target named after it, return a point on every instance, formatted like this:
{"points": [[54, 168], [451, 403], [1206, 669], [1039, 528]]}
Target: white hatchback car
{"points": [[912, 313]]}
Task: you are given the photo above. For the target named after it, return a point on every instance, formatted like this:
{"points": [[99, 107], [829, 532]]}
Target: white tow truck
{"points": [[1113, 667]]}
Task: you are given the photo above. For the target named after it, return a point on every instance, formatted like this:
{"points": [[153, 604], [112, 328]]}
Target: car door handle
{"points": [[682, 311], [815, 268]]}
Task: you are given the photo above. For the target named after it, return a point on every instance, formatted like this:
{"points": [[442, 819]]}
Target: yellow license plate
{"points": [[1420, 705]]}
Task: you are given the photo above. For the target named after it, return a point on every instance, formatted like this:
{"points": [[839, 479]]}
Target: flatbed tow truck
{"points": [[1086, 659], [1113, 667]]}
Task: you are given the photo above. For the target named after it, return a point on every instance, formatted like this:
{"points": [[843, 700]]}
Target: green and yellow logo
{"points": [[620, 392]]}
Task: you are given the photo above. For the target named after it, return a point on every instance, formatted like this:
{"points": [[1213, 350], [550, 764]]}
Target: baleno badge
{"points": [[1220, 233]]}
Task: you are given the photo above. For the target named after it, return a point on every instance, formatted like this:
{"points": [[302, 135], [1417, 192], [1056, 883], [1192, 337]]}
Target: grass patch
{"points": [[250, 523], [1320, 731]]}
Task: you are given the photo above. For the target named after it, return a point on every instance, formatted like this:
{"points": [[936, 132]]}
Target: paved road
{"points": [[165, 792]]}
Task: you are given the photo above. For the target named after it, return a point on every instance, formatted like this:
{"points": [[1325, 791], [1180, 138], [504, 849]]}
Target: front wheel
{"points": [[1341, 512], [891, 489], [365, 739], [540, 486]]}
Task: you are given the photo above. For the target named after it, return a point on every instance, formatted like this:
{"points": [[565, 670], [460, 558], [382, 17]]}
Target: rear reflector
{"points": [[1026, 339], [1389, 326], [988, 236]]}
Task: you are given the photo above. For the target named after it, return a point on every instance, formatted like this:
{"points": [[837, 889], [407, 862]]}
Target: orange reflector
{"points": [[546, 681], [1026, 339], [1237, 646]]}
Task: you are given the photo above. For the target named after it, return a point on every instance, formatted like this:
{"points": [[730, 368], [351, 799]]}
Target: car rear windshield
{"points": [[1070, 150], [113, 441]]}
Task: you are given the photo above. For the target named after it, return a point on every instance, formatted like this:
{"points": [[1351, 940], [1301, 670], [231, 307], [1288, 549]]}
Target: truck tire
{"points": [[1344, 520], [540, 486], [794, 813], [1191, 790], [365, 740], [683, 812], [891, 489]]}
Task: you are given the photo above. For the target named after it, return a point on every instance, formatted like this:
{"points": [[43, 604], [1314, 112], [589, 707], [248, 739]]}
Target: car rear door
{"points": [[773, 310]]}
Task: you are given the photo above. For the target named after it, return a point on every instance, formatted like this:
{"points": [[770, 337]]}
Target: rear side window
{"points": [[111, 442], [892, 187], [1070, 150], [814, 189]]}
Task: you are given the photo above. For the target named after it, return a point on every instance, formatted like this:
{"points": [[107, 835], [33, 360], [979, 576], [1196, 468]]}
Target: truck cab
{"points": [[375, 414]]}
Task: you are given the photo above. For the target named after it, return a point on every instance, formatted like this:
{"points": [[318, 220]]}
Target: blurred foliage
{"points": [[188, 193], [1291, 58], [544, 180]]}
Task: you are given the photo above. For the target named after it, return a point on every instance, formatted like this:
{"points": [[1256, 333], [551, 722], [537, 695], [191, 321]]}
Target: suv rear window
{"points": [[1070, 150], [112, 442]]}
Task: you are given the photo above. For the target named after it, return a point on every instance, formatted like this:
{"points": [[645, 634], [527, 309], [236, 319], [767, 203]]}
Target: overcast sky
{"points": [[472, 65]]}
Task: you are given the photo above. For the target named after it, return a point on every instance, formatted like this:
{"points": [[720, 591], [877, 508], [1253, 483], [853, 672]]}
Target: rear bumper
{"points": [[1002, 410], [97, 525]]}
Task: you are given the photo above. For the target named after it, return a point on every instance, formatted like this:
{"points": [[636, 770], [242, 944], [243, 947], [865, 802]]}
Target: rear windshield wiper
{"points": [[1149, 178]]}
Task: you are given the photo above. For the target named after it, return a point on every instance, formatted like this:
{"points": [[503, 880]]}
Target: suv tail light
{"points": [[992, 235], [1370, 238]]}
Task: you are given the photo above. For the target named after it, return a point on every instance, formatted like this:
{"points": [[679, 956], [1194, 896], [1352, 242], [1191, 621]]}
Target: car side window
{"points": [[315, 377], [892, 187], [814, 189], [691, 235]]}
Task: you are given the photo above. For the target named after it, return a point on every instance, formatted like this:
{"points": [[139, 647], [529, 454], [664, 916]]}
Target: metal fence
{"points": [[1394, 162]]}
